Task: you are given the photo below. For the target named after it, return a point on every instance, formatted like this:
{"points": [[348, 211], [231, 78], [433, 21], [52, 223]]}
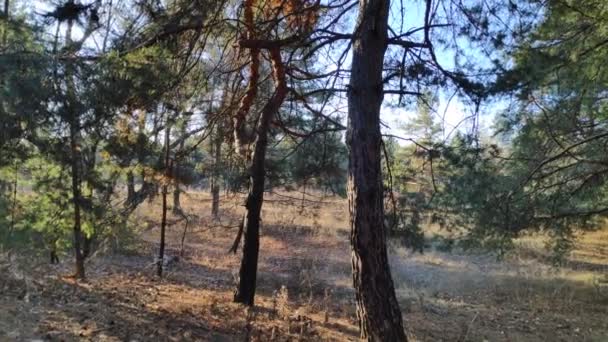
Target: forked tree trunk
{"points": [[377, 307], [245, 292]]}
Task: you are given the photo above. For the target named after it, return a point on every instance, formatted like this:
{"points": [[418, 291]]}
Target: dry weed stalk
{"points": [[281, 302]]}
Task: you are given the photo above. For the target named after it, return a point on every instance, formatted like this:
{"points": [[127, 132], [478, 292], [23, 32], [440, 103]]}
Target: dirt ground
{"points": [[304, 286]]}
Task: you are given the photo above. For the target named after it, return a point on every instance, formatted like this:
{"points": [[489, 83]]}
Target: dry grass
{"points": [[304, 286]]}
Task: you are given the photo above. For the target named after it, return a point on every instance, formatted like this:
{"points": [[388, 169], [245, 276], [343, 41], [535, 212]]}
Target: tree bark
{"points": [[177, 207], [76, 195], [87, 243], [377, 307], [215, 177], [163, 223], [54, 257], [245, 292], [130, 187], [75, 161], [6, 17]]}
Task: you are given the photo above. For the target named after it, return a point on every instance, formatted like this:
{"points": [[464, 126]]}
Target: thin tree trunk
{"points": [[303, 197], [377, 307], [75, 166], [54, 258], [53, 255], [249, 263], [88, 240], [177, 207], [76, 195], [215, 177], [11, 228], [163, 223], [5, 30], [108, 27], [245, 292], [14, 206], [130, 186], [154, 185], [182, 248]]}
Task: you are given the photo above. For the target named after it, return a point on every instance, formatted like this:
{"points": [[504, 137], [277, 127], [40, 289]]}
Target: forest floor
{"points": [[304, 285]]}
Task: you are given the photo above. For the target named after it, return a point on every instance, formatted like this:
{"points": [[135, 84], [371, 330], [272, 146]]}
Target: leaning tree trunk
{"points": [[377, 307], [245, 292]]}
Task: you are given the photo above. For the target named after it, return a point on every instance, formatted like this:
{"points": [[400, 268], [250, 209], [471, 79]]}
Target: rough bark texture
{"points": [[377, 308], [245, 292]]}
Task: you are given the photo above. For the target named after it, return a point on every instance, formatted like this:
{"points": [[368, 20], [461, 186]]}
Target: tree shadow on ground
{"points": [[123, 307]]}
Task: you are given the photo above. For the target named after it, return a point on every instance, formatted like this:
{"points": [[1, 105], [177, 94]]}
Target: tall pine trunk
{"points": [[245, 292], [377, 307]]}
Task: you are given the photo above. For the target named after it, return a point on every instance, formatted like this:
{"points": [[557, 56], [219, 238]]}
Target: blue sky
{"points": [[451, 110]]}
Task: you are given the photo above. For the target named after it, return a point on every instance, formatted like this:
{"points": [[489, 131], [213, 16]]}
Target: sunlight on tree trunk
{"points": [[377, 308]]}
